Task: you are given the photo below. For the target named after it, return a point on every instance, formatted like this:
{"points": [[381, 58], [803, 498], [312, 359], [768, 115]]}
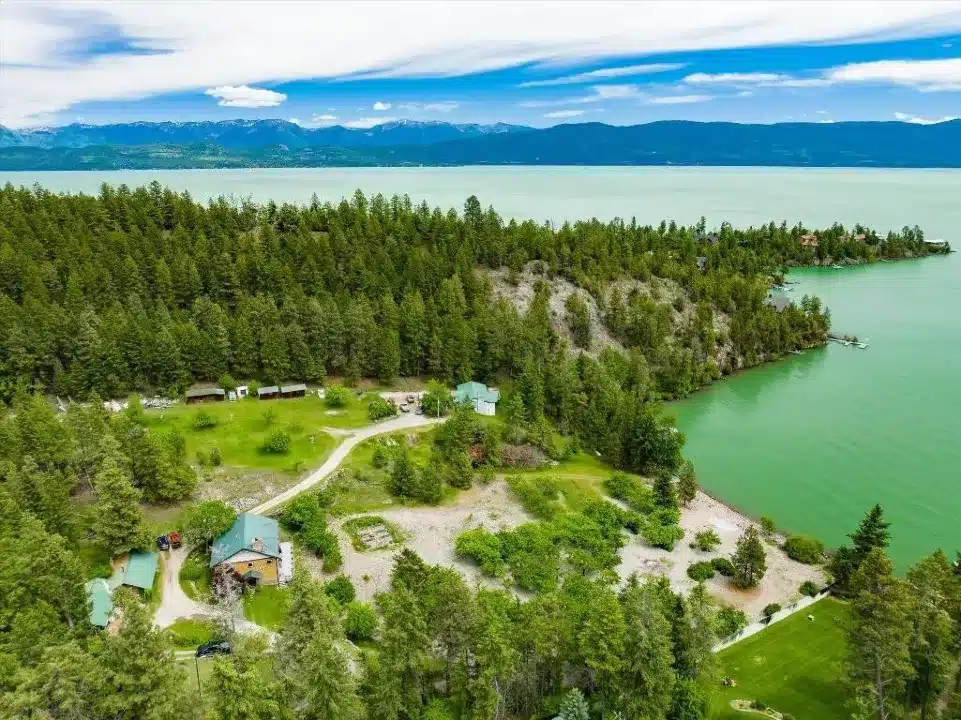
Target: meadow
{"points": [[794, 666]]}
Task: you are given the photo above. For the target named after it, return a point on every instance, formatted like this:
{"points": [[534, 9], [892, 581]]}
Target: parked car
{"points": [[216, 647], [163, 543], [419, 410], [410, 399], [174, 539], [404, 407]]}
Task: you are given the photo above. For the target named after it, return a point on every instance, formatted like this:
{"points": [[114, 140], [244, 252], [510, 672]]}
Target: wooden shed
{"points": [[199, 395], [293, 391], [268, 392]]}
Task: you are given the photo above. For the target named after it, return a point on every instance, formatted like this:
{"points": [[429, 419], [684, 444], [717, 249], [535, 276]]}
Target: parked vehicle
{"points": [[410, 399], [419, 410], [216, 647], [163, 543], [174, 539], [404, 407]]}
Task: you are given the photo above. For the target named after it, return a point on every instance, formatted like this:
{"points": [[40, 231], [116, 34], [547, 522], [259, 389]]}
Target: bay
{"points": [[811, 441]]}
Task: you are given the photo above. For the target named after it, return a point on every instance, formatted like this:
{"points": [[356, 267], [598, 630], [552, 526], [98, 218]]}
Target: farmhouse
{"points": [[251, 549], [198, 395], [136, 569], [482, 398]]}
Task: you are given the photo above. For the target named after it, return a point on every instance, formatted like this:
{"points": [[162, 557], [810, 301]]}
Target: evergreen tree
{"points": [[879, 659], [119, 522], [687, 486], [748, 560], [574, 706], [665, 495], [646, 680]]}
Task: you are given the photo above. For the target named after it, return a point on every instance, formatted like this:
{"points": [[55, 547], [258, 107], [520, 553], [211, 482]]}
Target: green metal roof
{"points": [[139, 571], [246, 531], [475, 391], [101, 604]]}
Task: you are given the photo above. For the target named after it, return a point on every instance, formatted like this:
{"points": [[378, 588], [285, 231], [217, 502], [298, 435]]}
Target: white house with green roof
{"points": [[482, 398], [252, 548]]}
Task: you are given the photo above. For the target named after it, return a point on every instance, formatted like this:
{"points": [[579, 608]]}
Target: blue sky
{"points": [[537, 63]]}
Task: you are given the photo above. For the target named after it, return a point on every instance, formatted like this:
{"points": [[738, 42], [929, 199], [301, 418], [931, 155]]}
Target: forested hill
{"points": [[280, 144]]}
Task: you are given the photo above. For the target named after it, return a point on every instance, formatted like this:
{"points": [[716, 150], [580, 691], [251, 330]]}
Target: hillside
{"points": [[276, 143]]}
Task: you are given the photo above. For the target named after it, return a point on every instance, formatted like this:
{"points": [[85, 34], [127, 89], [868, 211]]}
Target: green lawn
{"points": [[188, 634], [242, 427], [267, 606], [195, 575], [794, 666]]}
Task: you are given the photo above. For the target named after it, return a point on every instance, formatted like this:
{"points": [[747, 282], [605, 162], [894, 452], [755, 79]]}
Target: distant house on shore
{"points": [[136, 569], [809, 241], [101, 602], [268, 392], [778, 302], [198, 395], [251, 549], [482, 398], [293, 391]]}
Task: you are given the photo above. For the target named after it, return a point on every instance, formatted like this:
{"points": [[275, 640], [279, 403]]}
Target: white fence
{"points": [[756, 627]]}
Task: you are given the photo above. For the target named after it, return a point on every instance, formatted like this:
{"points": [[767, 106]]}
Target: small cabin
{"points": [[482, 398], [268, 392], [136, 569], [297, 390], [250, 550], [203, 395]]}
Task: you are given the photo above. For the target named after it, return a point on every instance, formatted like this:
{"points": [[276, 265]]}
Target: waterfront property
{"points": [[251, 549], [482, 398]]}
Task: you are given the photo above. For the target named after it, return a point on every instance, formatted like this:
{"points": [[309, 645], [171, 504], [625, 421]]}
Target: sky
{"points": [[532, 63]]}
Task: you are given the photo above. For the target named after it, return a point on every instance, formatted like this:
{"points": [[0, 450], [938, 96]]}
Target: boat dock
{"points": [[847, 340]]}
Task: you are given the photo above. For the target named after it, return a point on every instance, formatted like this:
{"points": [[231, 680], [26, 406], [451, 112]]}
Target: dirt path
{"points": [[402, 422]]}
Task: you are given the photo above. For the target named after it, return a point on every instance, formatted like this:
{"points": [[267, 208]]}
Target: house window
{"points": [[250, 564], [270, 562]]}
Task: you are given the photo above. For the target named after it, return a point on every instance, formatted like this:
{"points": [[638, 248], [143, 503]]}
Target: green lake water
{"points": [[811, 441]]}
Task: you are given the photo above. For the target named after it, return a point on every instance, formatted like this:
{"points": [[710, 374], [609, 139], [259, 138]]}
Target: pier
{"points": [[847, 340]]}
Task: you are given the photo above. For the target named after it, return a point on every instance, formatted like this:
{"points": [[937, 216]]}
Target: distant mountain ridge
{"points": [[245, 134], [277, 143]]}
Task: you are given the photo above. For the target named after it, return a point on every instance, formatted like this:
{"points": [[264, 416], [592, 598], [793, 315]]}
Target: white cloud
{"points": [[822, 112], [745, 93], [244, 96], [381, 106], [679, 99], [295, 121], [916, 120], [926, 75], [216, 44], [444, 106], [564, 113], [755, 80], [604, 73], [365, 123], [325, 120], [598, 93]]}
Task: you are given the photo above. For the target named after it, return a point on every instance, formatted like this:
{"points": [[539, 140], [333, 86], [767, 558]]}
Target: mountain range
{"points": [[277, 143]]}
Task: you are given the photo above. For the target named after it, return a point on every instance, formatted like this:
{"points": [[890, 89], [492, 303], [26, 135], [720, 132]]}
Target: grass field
{"points": [[267, 606], [794, 666], [242, 426], [188, 633]]}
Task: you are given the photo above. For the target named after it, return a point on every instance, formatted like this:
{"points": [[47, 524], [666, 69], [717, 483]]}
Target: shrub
{"points": [[191, 633], [723, 566], [808, 588], [630, 490], [205, 522], [270, 416], [706, 540], [759, 705], [700, 571], [340, 589], [532, 556], [215, 458], [103, 570], [730, 621], [361, 621], [332, 557], [277, 443], [521, 456], [227, 382], [804, 549], [337, 396], [662, 535], [204, 420], [537, 494], [380, 458], [770, 610], [482, 547], [301, 511], [378, 409], [768, 526]]}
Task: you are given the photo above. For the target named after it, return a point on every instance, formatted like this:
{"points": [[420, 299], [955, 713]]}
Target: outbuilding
{"points": [[268, 392], [199, 395], [293, 391], [101, 602], [136, 569]]}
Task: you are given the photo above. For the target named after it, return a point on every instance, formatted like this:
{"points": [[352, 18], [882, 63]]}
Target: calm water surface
{"points": [[811, 441]]}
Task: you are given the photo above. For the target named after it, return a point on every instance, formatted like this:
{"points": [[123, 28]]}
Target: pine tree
{"points": [[119, 522], [574, 706], [748, 560], [665, 495], [932, 592], [646, 679], [514, 420], [687, 486], [879, 659], [871, 533]]}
